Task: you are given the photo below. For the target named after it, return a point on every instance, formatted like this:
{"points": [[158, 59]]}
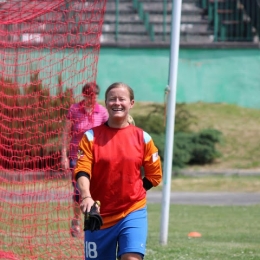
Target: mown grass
{"points": [[214, 183], [227, 233]]}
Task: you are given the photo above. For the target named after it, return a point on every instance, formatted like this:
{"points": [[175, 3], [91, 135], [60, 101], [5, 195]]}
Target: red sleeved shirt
{"points": [[113, 159]]}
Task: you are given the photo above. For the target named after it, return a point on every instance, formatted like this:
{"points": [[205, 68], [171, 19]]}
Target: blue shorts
{"points": [[127, 236], [76, 194]]}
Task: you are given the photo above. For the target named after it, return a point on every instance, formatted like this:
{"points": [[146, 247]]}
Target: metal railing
{"points": [[138, 7], [233, 20], [164, 19], [117, 21], [144, 16], [215, 20]]}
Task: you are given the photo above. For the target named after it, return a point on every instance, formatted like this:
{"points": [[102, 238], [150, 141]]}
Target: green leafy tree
{"points": [[32, 122]]}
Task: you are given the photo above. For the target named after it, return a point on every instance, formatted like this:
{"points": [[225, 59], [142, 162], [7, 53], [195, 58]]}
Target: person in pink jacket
{"points": [[81, 117]]}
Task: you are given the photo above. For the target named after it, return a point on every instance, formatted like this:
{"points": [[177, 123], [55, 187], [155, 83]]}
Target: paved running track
{"points": [[207, 198]]}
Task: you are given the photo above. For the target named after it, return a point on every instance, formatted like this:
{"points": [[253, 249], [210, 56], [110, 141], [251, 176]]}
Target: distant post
{"points": [[171, 104]]}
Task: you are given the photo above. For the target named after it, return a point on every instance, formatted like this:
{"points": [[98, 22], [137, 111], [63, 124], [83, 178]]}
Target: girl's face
{"points": [[118, 103], [90, 100]]}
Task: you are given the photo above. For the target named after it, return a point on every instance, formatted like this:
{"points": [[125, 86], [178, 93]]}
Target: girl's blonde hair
{"points": [[118, 85], [130, 120]]}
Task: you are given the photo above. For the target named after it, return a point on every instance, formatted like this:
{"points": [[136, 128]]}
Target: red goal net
{"points": [[49, 50]]}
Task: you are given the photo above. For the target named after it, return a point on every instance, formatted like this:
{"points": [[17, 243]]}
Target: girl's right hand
{"points": [[86, 204]]}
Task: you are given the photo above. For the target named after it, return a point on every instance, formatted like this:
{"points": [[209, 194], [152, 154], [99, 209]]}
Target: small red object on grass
{"points": [[194, 234]]}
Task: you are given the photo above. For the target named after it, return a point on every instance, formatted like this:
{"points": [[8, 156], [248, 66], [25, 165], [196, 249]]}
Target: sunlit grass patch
{"points": [[227, 233]]}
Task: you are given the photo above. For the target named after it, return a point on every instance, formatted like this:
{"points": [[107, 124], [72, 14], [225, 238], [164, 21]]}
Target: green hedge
{"points": [[189, 147]]}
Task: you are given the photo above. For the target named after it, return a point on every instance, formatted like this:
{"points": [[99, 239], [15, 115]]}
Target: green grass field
{"points": [[240, 128], [227, 233], [214, 183]]}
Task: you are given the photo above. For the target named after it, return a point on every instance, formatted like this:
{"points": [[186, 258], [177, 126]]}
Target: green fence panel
{"points": [[228, 75]]}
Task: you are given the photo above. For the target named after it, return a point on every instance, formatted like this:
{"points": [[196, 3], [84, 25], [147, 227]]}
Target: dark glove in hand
{"points": [[93, 220]]}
